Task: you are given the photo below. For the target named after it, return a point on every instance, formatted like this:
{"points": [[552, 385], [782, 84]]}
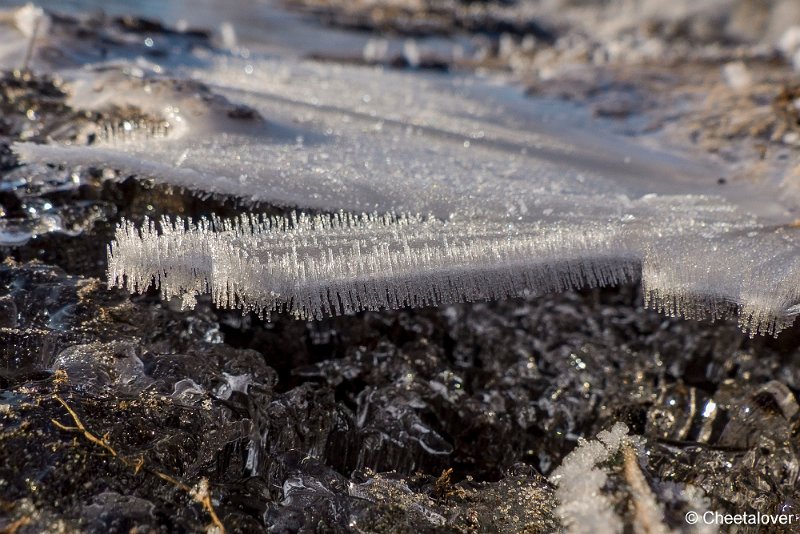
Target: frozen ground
{"points": [[455, 417]]}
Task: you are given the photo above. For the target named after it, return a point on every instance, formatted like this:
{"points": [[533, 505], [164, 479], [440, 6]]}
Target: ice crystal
{"points": [[337, 264], [333, 264], [579, 481]]}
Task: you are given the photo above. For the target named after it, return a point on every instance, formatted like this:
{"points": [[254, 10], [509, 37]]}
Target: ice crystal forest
{"points": [[399, 266]]}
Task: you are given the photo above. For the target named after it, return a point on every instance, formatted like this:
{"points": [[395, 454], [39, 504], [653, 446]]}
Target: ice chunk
{"points": [[29, 20], [327, 265], [523, 195]]}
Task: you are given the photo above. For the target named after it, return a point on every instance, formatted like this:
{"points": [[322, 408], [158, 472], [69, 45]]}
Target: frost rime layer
{"points": [[315, 266], [334, 264], [531, 203]]}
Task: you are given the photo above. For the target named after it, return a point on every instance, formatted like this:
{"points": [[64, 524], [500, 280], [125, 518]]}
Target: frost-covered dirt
{"points": [[122, 413]]}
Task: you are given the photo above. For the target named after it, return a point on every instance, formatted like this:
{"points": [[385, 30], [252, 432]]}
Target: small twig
{"points": [[200, 493], [12, 527], [82, 429], [31, 43], [174, 481], [648, 516]]}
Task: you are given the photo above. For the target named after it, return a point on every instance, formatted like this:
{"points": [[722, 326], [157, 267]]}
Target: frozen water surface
{"points": [[331, 137], [515, 194]]}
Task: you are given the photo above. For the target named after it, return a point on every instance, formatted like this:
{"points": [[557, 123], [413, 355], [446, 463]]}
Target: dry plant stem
{"points": [[647, 514], [202, 497], [12, 527], [31, 45]]}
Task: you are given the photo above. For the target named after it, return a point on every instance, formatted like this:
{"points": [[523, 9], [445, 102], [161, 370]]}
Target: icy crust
{"points": [[524, 195], [365, 140], [750, 272]]}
